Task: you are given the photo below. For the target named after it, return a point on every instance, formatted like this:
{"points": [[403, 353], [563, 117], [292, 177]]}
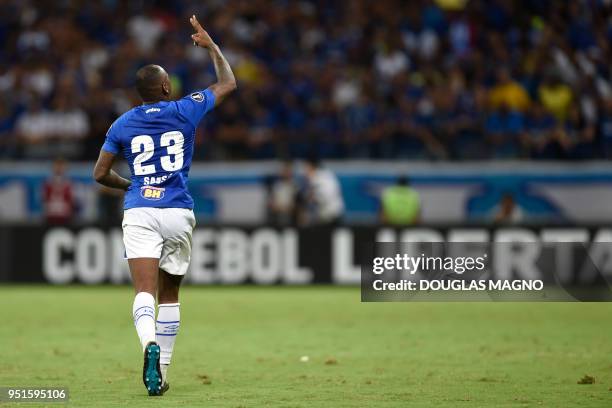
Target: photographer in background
{"points": [[282, 190], [323, 197]]}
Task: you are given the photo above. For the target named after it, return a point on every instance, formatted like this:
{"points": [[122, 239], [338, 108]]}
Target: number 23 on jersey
{"points": [[144, 145]]}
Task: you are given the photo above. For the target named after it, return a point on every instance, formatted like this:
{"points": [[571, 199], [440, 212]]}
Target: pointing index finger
{"points": [[195, 23]]}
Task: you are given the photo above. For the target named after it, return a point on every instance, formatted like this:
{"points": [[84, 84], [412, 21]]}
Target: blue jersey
{"points": [[157, 141]]}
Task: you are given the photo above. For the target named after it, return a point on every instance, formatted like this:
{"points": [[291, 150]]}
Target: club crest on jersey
{"points": [[197, 96], [152, 193]]}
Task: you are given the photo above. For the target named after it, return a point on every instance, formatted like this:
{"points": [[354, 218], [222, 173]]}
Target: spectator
{"points": [[352, 79], [58, 196], [400, 204], [145, 29], [59, 131], [555, 96], [558, 145], [7, 120], [580, 135], [538, 131], [504, 128], [605, 127], [33, 125], [391, 61], [508, 93]]}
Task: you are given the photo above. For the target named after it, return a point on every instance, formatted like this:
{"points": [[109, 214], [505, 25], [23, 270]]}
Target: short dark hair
{"points": [[403, 180], [148, 82]]}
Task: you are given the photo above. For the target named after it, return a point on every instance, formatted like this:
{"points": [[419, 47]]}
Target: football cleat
{"points": [[151, 373]]}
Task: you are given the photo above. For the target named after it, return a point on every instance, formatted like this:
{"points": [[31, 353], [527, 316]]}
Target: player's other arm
{"points": [[226, 83], [105, 175]]}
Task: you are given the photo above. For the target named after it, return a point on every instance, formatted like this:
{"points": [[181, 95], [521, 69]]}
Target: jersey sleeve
{"points": [[112, 143], [196, 105]]}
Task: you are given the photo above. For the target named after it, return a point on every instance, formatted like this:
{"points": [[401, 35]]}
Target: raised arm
{"points": [[105, 175], [226, 83]]}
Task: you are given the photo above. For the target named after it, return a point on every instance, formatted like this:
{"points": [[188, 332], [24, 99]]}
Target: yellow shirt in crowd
{"points": [[510, 94], [556, 99]]}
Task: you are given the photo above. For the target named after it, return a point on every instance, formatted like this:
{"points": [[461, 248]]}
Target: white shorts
{"points": [[163, 233]]}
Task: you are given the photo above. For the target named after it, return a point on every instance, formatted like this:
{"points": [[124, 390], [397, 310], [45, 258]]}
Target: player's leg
{"points": [[168, 317], [143, 243], [173, 264], [144, 278]]}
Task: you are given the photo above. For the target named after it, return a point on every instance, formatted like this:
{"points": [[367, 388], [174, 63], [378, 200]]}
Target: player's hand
{"points": [[201, 37]]}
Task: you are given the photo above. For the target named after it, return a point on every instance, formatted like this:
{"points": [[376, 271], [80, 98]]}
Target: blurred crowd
{"points": [[419, 79]]}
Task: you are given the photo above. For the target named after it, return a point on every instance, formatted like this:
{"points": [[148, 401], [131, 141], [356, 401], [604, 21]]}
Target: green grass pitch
{"points": [[241, 347]]}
